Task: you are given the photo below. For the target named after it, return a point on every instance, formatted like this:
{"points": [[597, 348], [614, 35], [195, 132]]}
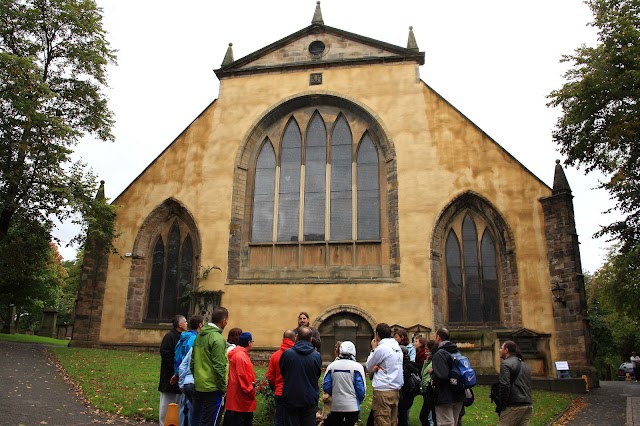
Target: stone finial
{"points": [[560, 183], [411, 42], [228, 57], [317, 16], [100, 193]]}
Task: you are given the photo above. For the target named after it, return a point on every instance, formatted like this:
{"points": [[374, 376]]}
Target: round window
{"points": [[316, 48]]}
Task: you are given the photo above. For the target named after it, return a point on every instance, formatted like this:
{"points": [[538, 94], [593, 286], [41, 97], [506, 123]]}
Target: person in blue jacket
{"points": [[182, 349], [300, 367]]}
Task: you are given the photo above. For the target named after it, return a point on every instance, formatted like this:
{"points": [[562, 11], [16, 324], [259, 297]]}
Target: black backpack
{"points": [[415, 379]]}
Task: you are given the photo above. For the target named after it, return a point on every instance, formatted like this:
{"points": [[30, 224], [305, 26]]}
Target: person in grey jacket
{"points": [[448, 400], [515, 387]]}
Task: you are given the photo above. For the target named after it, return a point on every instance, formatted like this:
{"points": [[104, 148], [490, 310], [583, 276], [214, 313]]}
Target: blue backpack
{"points": [[461, 375]]}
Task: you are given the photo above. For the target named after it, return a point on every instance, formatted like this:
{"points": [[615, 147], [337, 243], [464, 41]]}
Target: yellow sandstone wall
{"points": [[440, 155]]}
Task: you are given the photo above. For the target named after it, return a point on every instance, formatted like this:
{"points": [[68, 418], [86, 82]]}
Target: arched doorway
{"points": [[343, 326]]}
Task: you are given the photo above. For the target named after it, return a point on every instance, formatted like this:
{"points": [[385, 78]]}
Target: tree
{"points": [[31, 274], [70, 287], [53, 59], [599, 127], [612, 311]]}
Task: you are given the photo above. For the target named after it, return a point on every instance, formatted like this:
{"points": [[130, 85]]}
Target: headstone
{"points": [[48, 327], [9, 326]]}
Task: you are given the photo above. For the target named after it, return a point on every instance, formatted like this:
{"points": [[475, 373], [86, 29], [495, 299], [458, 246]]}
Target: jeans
{"points": [[186, 409]]}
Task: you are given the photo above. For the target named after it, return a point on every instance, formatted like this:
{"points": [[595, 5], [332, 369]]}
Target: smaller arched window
{"points": [[471, 272], [172, 272]]}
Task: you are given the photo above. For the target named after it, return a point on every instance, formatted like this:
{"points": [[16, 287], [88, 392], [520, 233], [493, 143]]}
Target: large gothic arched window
{"points": [[316, 198], [471, 272], [303, 200]]}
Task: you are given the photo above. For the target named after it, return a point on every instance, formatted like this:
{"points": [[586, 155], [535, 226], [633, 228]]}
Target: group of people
{"points": [[196, 371], [208, 376], [443, 404]]}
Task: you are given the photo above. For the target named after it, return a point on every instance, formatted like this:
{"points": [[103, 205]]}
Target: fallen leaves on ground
{"points": [[576, 406]]}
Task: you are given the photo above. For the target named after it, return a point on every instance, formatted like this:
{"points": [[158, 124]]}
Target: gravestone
{"points": [[48, 327]]}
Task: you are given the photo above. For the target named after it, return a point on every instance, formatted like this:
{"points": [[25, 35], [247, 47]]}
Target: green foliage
{"points": [[67, 301], [600, 123], [53, 59], [613, 297], [31, 274], [617, 283], [98, 372], [98, 224]]}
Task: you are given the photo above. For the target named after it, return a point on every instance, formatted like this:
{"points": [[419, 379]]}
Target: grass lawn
{"points": [[126, 383], [33, 339]]}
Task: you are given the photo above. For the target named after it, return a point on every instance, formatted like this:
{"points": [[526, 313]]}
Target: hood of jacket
{"points": [[186, 335], [208, 329], [233, 353], [391, 342], [449, 346], [286, 344], [303, 347]]}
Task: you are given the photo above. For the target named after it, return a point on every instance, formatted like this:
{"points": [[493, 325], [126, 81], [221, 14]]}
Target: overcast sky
{"points": [[494, 60]]}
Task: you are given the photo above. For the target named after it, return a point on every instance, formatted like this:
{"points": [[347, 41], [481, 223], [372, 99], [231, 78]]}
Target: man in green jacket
{"points": [[210, 367]]}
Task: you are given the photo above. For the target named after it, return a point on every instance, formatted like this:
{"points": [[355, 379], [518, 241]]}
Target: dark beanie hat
{"points": [[244, 339]]}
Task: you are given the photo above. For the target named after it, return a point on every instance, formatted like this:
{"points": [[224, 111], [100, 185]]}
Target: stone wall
{"points": [[89, 303]]}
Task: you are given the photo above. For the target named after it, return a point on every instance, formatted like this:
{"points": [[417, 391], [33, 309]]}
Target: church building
{"points": [[329, 178]]}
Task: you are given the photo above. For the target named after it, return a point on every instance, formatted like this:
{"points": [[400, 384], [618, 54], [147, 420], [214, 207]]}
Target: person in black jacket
{"points": [[300, 367], [168, 386], [406, 397], [515, 387], [448, 400]]}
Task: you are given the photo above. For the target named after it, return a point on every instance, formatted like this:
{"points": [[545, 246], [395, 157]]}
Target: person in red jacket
{"points": [[241, 393], [274, 377]]}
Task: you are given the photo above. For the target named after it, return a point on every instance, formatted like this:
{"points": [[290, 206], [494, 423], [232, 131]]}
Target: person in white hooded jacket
{"points": [[385, 362], [345, 382]]}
